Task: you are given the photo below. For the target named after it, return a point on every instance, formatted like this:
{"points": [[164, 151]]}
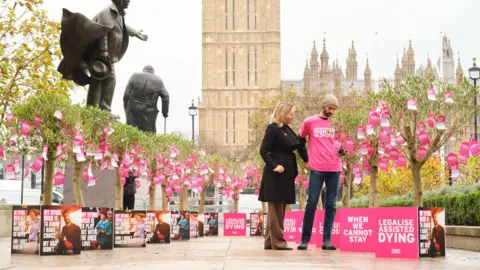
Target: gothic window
{"points": [[255, 14], [234, 127], [233, 68], [248, 67], [248, 14], [248, 126], [233, 14], [226, 127], [256, 66], [226, 15], [226, 68]]}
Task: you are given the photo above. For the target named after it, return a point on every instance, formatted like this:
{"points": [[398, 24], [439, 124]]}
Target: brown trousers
{"points": [[274, 233]]}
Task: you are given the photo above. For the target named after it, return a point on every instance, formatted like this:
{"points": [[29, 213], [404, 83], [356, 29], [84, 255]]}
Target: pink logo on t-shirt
{"points": [[322, 146]]}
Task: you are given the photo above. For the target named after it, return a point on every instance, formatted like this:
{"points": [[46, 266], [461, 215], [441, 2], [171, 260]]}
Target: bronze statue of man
{"points": [[141, 97], [91, 48]]}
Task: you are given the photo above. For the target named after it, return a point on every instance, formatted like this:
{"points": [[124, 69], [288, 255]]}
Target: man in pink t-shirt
{"points": [[325, 164]]}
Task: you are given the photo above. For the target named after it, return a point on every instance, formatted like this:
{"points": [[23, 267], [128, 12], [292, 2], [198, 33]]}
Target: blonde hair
{"points": [[280, 113]]}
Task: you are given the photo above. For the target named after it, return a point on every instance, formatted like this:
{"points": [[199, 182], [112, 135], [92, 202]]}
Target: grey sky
{"points": [[174, 47]]}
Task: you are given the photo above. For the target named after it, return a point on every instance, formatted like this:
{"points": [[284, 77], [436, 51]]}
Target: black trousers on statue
{"points": [[128, 202]]}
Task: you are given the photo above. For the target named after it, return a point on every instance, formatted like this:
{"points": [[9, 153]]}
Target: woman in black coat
{"points": [[279, 173]]}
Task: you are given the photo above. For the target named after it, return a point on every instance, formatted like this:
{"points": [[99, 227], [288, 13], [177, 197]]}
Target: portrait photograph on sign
{"points": [[180, 225], [431, 223], [25, 229], [158, 228], [61, 233], [211, 224], [97, 228], [130, 228]]}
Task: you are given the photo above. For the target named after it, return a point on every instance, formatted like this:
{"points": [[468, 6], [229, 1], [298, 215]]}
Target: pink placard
{"points": [[335, 229], [359, 229], [293, 226], [315, 228], [235, 224], [397, 232]]}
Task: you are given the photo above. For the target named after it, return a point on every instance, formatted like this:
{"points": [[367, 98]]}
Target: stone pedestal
{"points": [[102, 194]]}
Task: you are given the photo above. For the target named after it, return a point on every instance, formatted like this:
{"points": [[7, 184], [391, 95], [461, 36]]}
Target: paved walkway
{"points": [[228, 253]]}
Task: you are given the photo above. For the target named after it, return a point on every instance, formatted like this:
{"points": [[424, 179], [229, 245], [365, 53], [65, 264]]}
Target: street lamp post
{"points": [[474, 74], [192, 111]]}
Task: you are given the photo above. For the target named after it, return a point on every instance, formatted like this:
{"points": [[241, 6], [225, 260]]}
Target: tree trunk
{"points": [[347, 182], [236, 197], [118, 190], [152, 199], [48, 188], [203, 196], [264, 207], [303, 198], [77, 184], [183, 199], [164, 199], [417, 184], [373, 187]]}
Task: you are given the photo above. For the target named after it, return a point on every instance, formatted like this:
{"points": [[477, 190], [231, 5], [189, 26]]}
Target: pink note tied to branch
{"points": [[401, 161], [465, 149], [10, 172], [58, 179], [374, 119], [412, 104], [361, 132], [383, 164], [431, 94], [452, 161], [448, 96], [37, 165], [422, 152], [36, 122], [25, 128], [370, 129], [58, 114], [423, 138], [349, 144], [474, 149], [431, 120], [421, 126], [441, 121], [9, 119]]}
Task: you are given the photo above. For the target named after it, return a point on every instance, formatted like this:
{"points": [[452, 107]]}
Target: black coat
{"points": [[130, 187], [81, 39], [278, 146], [140, 100]]}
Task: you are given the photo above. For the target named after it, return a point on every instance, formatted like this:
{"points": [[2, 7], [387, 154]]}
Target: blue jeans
{"points": [[332, 180]]}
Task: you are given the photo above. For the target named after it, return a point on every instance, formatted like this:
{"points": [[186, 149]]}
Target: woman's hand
{"points": [[279, 169]]}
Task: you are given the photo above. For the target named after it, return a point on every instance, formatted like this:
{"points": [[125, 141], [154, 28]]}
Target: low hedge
{"points": [[460, 209]]}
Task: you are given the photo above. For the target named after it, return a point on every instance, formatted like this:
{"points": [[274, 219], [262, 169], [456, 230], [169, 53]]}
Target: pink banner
{"points": [[234, 224], [335, 228], [397, 232], [359, 229], [315, 227], [293, 226]]}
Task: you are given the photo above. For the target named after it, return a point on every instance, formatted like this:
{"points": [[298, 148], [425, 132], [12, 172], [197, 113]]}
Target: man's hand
{"points": [[307, 166], [279, 169], [142, 36], [68, 245]]}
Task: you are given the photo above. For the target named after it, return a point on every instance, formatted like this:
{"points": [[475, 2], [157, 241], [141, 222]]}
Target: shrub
{"points": [[461, 209]]}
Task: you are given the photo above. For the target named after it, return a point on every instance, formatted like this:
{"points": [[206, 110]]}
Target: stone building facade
{"points": [[240, 65]]}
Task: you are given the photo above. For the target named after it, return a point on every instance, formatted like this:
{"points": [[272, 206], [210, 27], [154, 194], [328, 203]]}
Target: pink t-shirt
{"points": [[322, 147]]}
